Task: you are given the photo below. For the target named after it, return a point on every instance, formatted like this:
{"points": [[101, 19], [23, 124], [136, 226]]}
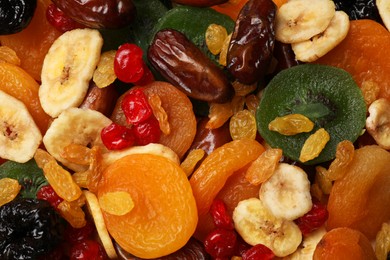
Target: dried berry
{"points": [[221, 243], [117, 137], [88, 249], [147, 132], [221, 217], [28, 229], [135, 106], [313, 219], [47, 193], [60, 20], [258, 252]]}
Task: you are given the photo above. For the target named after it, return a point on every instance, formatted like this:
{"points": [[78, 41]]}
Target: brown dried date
{"points": [[183, 64], [285, 56], [250, 49], [100, 99], [200, 3], [99, 14]]}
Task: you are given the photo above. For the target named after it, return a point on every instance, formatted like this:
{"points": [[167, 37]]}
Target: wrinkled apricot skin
{"points": [[164, 216], [19, 84], [363, 53], [358, 199], [344, 244], [214, 171]]}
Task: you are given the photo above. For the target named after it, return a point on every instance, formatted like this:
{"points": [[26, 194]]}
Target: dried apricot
{"points": [[32, 43], [344, 243], [212, 174], [358, 198], [363, 53], [164, 216]]}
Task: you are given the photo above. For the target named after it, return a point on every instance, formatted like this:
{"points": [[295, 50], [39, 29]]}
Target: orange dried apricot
{"points": [[164, 216], [358, 199], [32, 44], [19, 84], [218, 166], [344, 243], [363, 53]]}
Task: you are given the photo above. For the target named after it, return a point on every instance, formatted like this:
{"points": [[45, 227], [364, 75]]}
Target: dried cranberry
{"points": [[86, 250], [128, 63], [117, 137], [221, 243], [75, 235], [60, 20], [148, 131], [136, 107], [258, 252], [147, 77], [47, 193], [313, 219], [220, 215]]}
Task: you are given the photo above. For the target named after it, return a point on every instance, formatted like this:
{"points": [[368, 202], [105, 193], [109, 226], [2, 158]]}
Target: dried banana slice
{"points": [[384, 11], [299, 20], [319, 45]]}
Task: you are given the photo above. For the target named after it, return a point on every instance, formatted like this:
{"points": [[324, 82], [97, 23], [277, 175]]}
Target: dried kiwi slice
{"points": [[327, 95]]}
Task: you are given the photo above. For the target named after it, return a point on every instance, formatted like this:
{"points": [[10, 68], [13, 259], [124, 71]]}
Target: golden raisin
{"points": [[251, 102], [223, 54], [104, 74], [215, 37], [81, 178], [95, 170], [76, 153], [291, 124], [264, 166], [160, 113], [42, 157], [72, 213], [242, 89], [370, 91], [344, 155], [193, 157], [219, 114], [314, 145], [237, 104], [9, 55], [243, 125], [321, 178], [382, 242], [9, 189], [117, 203]]}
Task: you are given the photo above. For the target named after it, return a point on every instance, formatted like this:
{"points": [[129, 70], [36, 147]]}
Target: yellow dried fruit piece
{"points": [[264, 166], [344, 155], [72, 213], [76, 153], [382, 242], [322, 180], [242, 89], [104, 74], [252, 102], [95, 170], [9, 189], [9, 55], [219, 114], [237, 103], [42, 157], [223, 54], [61, 181], [370, 91], [215, 37], [81, 178], [243, 125], [291, 124], [116, 203], [316, 192], [314, 145], [160, 113], [193, 157]]}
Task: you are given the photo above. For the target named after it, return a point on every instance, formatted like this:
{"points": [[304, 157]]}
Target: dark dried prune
{"points": [[250, 49], [28, 229], [184, 65], [15, 15], [359, 9], [99, 14]]}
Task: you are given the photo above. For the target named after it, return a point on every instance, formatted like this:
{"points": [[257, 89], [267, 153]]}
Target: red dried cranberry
{"points": [[136, 107], [313, 219], [258, 252], [47, 193], [75, 235], [86, 250], [117, 137], [146, 79], [128, 63], [147, 132], [221, 243], [60, 20], [220, 215]]}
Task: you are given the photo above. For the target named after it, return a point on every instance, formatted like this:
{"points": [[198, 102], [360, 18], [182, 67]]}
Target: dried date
{"points": [[250, 49], [100, 99], [200, 3], [183, 64], [15, 15], [99, 14]]}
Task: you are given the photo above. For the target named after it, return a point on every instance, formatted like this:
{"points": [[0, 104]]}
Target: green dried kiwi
{"points": [[326, 95], [28, 174]]}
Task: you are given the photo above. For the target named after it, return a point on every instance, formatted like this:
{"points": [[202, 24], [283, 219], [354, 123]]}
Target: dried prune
{"points": [[359, 9], [250, 50], [15, 15], [28, 229], [183, 64], [99, 14]]}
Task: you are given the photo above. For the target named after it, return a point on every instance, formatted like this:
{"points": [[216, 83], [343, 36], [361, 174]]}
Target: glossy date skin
{"points": [[99, 14], [185, 66], [250, 49], [15, 15], [200, 3]]}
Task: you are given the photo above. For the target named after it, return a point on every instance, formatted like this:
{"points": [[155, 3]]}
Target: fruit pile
{"points": [[193, 129]]}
